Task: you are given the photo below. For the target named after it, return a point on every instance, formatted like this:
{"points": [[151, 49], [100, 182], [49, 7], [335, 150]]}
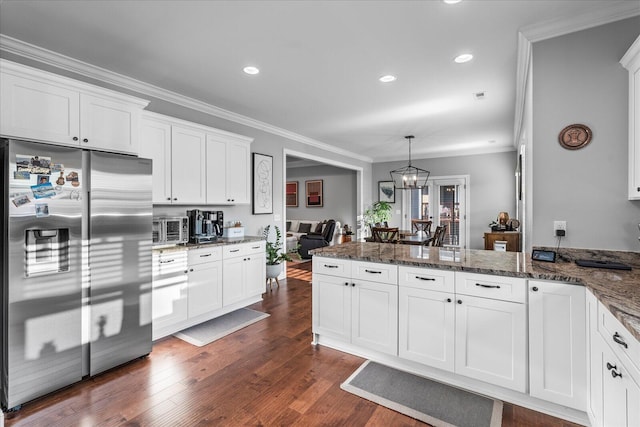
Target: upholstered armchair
{"points": [[312, 241]]}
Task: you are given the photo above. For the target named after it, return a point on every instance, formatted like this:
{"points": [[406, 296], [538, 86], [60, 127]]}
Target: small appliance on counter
{"points": [[205, 226], [170, 230]]}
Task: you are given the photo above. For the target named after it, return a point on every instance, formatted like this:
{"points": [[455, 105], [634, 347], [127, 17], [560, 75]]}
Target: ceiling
{"points": [[319, 62]]}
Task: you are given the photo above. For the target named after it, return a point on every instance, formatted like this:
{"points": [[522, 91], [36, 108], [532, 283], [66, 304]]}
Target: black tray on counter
{"points": [[602, 264]]}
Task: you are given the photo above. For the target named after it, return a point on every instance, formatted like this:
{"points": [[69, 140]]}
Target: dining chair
{"points": [[385, 234], [423, 225], [438, 236]]}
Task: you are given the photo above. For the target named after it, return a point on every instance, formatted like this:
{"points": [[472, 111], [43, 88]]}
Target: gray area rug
{"points": [[432, 402], [219, 327]]}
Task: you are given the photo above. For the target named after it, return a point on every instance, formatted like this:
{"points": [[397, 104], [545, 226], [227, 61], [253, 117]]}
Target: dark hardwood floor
{"points": [[265, 374]]}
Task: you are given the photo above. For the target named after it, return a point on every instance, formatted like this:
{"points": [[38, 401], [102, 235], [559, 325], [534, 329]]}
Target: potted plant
{"points": [[378, 213], [275, 254]]}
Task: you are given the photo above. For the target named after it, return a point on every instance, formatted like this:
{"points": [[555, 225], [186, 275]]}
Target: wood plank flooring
{"points": [[265, 374]]}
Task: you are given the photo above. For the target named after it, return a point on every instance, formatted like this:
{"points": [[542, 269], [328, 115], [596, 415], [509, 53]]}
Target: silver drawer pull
{"points": [[426, 278], [617, 338], [330, 266], [488, 286], [373, 271], [255, 247], [167, 261], [235, 250], [205, 255]]}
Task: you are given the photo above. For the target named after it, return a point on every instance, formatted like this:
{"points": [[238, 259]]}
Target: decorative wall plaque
{"points": [[574, 137]]}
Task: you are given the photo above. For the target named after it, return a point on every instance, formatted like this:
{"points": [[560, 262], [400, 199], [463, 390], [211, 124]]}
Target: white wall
{"points": [[492, 186], [339, 188], [577, 78]]}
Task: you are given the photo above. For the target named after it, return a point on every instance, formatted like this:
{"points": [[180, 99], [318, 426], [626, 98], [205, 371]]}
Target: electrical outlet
{"points": [[559, 228]]}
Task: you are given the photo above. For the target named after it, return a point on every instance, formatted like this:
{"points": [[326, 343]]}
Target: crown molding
{"points": [[448, 153], [54, 59], [615, 11]]}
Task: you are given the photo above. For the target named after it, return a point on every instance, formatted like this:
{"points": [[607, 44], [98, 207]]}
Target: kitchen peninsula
{"points": [[492, 322]]}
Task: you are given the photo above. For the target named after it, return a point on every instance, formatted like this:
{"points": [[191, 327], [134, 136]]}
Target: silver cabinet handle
{"points": [[330, 266], [167, 261], [255, 247], [235, 250], [205, 255], [373, 271], [426, 278]]}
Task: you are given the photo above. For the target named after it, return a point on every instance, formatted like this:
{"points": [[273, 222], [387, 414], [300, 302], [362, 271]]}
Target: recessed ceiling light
{"points": [[465, 57], [388, 78], [492, 141], [451, 1], [251, 70]]}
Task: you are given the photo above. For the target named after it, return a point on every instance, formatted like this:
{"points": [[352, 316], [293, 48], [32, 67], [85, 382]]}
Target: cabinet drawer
{"points": [[232, 251], [425, 278], [624, 345], [374, 272], [254, 248], [489, 286], [331, 266], [203, 255], [169, 263]]}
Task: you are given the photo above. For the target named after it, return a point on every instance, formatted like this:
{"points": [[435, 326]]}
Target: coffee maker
{"points": [[205, 226]]}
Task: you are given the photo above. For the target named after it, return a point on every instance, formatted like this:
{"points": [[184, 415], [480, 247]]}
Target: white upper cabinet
{"points": [[228, 168], [41, 106], [631, 61], [195, 164]]}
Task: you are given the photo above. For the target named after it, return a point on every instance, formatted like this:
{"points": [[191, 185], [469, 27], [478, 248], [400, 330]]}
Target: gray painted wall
{"points": [[339, 188], [491, 186], [577, 78]]}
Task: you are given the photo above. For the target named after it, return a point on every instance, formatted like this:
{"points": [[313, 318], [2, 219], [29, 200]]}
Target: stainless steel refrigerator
{"points": [[76, 265]]}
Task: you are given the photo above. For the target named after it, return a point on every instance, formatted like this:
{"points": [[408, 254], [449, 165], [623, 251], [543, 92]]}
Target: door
{"points": [[254, 270], [375, 316], [238, 187], [108, 124], [491, 341], [40, 110], [204, 288], [42, 330], [426, 329], [443, 201], [620, 393], [557, 343], [155, 144], [187, 165], [119, 259], [331, 301]]}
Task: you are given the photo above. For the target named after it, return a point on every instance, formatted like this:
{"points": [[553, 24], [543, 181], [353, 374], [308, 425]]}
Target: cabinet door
{"points": [[621, 395], [491, 341], [217, 170], [169, 295], [426, 327], [255, 273], [155, 144], [238, 184], [205, 288], [331, 302], [187, 165], [109, 124], [594, 352], [39, 110], [557, 343], [375, 316], [233, 280]]}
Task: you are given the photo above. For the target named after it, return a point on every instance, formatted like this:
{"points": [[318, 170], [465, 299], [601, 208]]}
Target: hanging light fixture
{"points": [[409, 177]]}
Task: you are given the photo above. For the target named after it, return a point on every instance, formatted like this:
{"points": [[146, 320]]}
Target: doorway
{"points": [[445, 201]]}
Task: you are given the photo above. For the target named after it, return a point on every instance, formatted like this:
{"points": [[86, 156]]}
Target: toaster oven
{"points": [[170, 230]]}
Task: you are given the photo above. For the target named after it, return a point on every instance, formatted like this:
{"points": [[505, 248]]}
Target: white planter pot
{"points": [[274, 271]]}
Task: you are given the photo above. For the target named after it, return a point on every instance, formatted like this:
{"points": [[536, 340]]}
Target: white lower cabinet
{"points": [[557, 343], [204, 281], [350, 309], [243, 272], [614, 391], [491, 341], [196, 285]]}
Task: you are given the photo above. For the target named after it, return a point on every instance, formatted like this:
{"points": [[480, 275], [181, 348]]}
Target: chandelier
{"points": [[409, 177]]}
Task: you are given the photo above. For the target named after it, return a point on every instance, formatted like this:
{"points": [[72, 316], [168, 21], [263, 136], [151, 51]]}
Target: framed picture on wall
{"points": [[314, 195], [292, 194], [386, 192], [262, 184]]}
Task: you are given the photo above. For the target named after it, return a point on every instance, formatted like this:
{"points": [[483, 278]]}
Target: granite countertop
{"points": [[618, 290], [222, 241]]}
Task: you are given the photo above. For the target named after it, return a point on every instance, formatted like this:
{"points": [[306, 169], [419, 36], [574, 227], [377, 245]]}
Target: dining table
{"points": [[411, 238]]}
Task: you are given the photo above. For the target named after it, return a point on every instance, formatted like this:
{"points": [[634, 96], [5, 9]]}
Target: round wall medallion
{"points": [[575, 136]]}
